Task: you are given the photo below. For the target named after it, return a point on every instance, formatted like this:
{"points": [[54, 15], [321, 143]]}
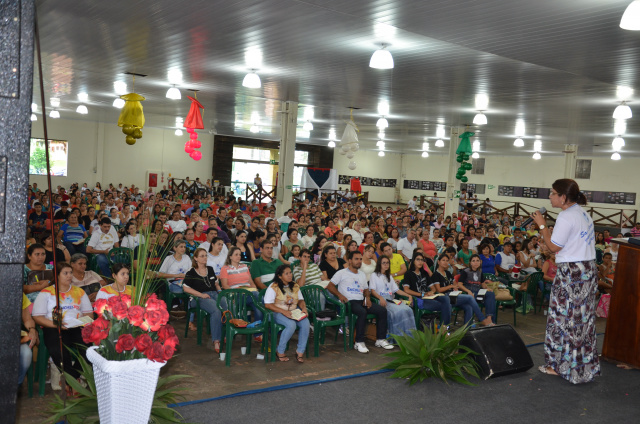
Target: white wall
{"points": [[369, 164], [98, 152]]}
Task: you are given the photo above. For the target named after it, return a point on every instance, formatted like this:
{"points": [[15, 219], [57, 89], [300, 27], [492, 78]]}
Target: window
{"points": [[583, 168], [58, 155], [251, 153], [478, 166], [301, 158]]}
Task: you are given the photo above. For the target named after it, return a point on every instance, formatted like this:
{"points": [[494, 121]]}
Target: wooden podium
{"points": [[622, 337]]}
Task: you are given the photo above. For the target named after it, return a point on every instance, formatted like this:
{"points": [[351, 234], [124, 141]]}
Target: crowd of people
{"points": [[376, 260]]}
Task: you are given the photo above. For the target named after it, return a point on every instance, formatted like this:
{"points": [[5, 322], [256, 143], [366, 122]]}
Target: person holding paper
{"points": [[74, 304], [120, 274], [284, 299], [417, 283], [473, 284]]}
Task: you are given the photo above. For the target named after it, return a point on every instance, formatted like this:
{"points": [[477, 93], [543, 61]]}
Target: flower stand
{"points": [[125, 388]]}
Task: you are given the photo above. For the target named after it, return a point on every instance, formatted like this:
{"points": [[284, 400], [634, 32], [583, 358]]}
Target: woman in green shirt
{"points": [[464, 253], [292, 235]]}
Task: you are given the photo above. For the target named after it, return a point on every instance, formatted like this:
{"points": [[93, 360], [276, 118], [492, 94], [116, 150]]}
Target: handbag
{"points": [[327, 313], [503, 294], [430, 320], [602, 311], [236, 322]]}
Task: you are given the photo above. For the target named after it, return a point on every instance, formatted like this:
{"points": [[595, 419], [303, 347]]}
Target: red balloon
{"points": [[193, 135], [190, 130], [188, 148], [196, 144], [196, 155]]}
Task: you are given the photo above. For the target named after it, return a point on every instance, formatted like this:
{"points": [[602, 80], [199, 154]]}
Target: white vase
{"points": [[125, 388]]}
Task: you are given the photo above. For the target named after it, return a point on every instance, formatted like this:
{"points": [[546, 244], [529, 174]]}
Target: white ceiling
{"points": [[554, 64]]}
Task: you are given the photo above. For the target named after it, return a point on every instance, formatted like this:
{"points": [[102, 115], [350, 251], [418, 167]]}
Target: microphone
{"points": [[529, 220]]}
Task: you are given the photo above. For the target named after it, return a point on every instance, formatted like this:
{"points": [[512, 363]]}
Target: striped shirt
{"points": [[72, 234], [312, 277], [236, 277]]}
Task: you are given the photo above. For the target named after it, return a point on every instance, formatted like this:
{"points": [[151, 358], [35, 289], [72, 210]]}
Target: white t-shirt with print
{"points": [[173, 266], [384, 286], [102, 241], [574, 233], [350, 285]]}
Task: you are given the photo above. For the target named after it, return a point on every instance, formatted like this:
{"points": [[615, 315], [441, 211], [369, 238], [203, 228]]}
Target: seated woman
{"points": [[293, 256], [88, 281], [367, 240], [607, 271], [34, 278], [330, 263], [464, 253], [417, 283], [309, 237], [472, 282], [400, 319], [352, 246], [61, 252], [292, 235], [201, 282], [428, 247], [368, 260], [316, 249], [190, 243], [444, 283], [254, 240], [236, 275], [549, 269], [283, 297], [75, 304], [527, 257], [120, 274], [73, 234], [174, 267], [132, 239]]}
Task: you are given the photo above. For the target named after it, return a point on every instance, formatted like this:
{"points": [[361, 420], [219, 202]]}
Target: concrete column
{"points": [[289, 122], [453, 183], [570, 156]]}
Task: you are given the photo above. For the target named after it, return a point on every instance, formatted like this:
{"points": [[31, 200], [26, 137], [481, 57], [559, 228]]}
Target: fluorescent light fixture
{"points": [[34, 117], [55, 102], [120, 87], [425, 146], [439, 143], [631, 17], [382, 123], [537, 145], [620, 127], [480, 119], [381, 59], [383, 108], [537, 156], [252, 80], [174, 76], [623, 111], [178, 132], [83, 97], [381, 153], [54, 114], [425, 154], [616, 156], [82, 110], [482, 102], [254, 129], [440, 132], [520, 128], [476, 146], [617, 143], [173, 93], [475, 155], [332, 144], [34, 107], [518, 142], [308, 126], [119, 103]]}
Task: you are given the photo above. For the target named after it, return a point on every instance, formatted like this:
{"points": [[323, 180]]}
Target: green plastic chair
{"points": [[236, 300], [532, 290], [417, 311], [274, 330], [201, 317], [312, 296], [170, 297], [120, 255], [499, 303], [38, 369]]}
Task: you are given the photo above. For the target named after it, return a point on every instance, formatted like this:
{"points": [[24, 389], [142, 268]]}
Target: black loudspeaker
{"points": [[500, 350]]}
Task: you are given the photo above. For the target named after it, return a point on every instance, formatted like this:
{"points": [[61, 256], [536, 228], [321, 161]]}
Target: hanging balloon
{"points": [[127, 129], [459, 159], [131, 117], [468, 166], [137, 133], [342, 152], [190, 130], [350, 154], [130, 140], [464, 179], [466, 156], [196, 155], [458, 177], [188, 148], [355, 147], [196, 144], [193, 135], [344, 148], [352, 165]]}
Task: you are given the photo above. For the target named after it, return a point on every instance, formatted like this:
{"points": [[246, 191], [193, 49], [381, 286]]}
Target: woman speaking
{"points": [[570, 341]]}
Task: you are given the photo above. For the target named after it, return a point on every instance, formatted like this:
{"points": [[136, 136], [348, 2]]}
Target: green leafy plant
{"points": [[425, 353], [83, 409]]}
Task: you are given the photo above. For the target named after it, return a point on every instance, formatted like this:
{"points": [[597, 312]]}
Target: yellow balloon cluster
{"points": [[132, 117]]}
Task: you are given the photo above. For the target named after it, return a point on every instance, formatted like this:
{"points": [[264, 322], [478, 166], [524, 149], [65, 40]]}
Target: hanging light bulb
{"points": [[34, 117], [173, 93], [382, 123], [537, 156], [54, 114], [254, 129], [620, 127], [119, 103], [381, 59], [308, 126], [615, 156], [381, 153], [482, 102], [439, 143], [475, 155], [480, 119], [252, 80], [623, 111], [617, 143], [476, 146], [425, 154], [518, 142], [120, 87], [332, 144], [383, 108], [631, 17], [82, 110], [34, 107], [178, 132]]}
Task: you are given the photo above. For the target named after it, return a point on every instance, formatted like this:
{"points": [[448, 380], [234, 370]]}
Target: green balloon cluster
{"points": [[464, 167]]}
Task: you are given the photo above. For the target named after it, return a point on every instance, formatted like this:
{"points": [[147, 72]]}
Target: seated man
{"points": [[101, 242], [350, 286], [263, 269], [176, 223]]}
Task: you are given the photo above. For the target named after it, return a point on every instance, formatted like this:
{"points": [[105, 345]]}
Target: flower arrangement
{"points": [[124, 331]]}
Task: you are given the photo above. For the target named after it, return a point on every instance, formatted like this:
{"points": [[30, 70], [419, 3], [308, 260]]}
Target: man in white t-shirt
{"points": [[177, 224], [101, 242], [287, 218], [407, 244], [505, 260], [350, 286], [475, 242], [462, 202], [412, 203]]}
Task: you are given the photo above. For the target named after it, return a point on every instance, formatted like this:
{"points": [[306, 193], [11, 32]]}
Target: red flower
{"points": [[142, 342], [126, 299], [87, 334], [165, 332], [172, 341], [119, 309], [136, 315], [155, 352], [125, 342], [153, 319], [164, 316], [99, 306], [168, 352], [97, 331], [113, 300], [154, 304]]}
